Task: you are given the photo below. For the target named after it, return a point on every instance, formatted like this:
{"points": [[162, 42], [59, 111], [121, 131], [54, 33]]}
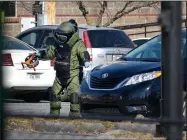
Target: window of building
{"points": [[9, 7]]}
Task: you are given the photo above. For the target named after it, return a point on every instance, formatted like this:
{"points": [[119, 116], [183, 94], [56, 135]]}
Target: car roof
{"points": [[10, 38], [45, 27], [40, 27], [87, 27], [96, 27], [83, 26]]}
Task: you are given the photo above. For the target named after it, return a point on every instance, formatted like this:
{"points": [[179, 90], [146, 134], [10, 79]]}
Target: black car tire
{"points": [[31, 99]]}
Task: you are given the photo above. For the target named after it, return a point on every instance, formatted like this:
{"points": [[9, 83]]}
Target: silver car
{"points": [[105, 44]]}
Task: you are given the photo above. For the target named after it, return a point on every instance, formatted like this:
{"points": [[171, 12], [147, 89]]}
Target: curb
{"points": [[90, 127], [68, 127]]}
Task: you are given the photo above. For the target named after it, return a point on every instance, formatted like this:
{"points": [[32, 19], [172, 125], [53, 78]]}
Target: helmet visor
{"points": [[60, 37]]}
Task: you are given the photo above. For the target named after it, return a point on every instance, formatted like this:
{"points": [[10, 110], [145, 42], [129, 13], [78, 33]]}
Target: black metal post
{"points": [[165, 43], [173, 81], [161, 128], [145, 32]]}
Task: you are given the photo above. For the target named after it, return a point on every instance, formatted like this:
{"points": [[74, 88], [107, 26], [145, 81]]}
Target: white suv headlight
{"points": [[142, 78]]}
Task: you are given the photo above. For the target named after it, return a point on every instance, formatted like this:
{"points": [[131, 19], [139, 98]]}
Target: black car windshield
{"points": [[151, 50]]}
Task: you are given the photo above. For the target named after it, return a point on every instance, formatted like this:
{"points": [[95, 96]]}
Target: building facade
{"points": [[21, 15]]}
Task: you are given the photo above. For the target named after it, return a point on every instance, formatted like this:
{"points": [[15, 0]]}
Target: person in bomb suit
{"points": [[70, 52], [81, 68]]}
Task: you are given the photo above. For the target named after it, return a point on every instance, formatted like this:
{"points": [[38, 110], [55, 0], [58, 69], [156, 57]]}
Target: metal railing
{"points": [[142, 26]]}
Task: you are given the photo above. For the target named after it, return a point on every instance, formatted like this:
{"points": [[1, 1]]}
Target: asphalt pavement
{"points": [[42, 108], [9, 135], [12, 135]]}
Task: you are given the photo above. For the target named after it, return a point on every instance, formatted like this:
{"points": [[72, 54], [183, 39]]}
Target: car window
{"points": [[32, 37], [109, 38], [151, 50], [140, 42], [47, 39], [14, 44]]}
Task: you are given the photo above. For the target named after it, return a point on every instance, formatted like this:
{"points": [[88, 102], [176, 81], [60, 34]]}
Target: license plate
{"points": [[34, 76]]}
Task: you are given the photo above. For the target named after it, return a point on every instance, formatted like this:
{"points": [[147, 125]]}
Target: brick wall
{"points": [[67, 10], [12, 25]]}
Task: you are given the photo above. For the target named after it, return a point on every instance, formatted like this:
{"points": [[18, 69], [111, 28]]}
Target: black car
{"points": [[130, 86], [39, 37]]}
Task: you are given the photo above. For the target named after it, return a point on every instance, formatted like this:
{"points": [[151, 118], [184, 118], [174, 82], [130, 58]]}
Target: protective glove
{"points": [[38, 53], [87, 64]]}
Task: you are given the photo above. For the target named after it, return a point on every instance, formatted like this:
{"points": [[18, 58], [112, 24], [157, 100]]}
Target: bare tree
{"points": [[27, 5], [126, 8]]}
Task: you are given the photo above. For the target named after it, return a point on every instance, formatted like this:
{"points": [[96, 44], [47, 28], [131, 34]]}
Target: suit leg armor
{"points": [[73, 89], [55, 100]]}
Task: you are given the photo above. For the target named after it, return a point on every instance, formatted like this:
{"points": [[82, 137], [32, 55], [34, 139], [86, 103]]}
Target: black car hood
{"points": [[125, 69]]}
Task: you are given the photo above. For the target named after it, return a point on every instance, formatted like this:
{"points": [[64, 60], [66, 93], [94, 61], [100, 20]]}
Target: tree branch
{"points": [[83, 9], [25, 7], [123, 11], [101, 12], [156, 6]]}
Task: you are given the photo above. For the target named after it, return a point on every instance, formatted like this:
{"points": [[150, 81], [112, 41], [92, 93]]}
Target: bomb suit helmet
{"points": [[72, 21], [64, 32]]}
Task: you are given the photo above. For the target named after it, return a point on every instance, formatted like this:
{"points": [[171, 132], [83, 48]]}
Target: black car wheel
{"points": [[27, 100], [32, 99]]}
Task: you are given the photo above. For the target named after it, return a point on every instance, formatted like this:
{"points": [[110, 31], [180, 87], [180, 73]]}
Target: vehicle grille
{"points": [[92, 108], [104, 84], [112, 111]]}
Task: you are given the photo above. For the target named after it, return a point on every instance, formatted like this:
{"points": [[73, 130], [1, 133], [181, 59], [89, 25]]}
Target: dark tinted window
{"points": [[140, 42], [109, 38], [151, 50], [11, 43], [32, 38], [47, 39], [9, 8]]}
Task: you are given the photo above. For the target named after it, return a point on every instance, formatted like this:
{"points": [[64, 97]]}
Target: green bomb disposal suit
{"points": [[70, 52]]}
